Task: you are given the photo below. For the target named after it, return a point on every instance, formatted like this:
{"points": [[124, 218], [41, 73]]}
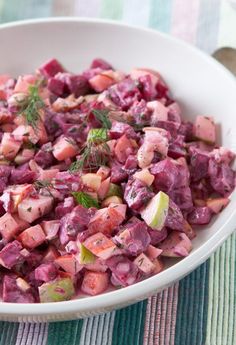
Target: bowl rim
{"points": [[150, 285]]}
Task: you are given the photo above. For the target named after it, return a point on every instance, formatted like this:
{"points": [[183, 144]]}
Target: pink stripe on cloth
{"points": [[161, 318], [185, 19]]}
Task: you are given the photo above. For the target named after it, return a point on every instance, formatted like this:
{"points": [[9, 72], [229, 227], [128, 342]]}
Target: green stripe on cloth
{"points": [[129, 330], [192, 307], [112, 9], [64, 333], [23, 9], [160, 15], [8, 333], [222, 296]]}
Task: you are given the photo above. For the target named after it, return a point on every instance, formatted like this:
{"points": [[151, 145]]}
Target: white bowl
{"points": [[198, 82]]}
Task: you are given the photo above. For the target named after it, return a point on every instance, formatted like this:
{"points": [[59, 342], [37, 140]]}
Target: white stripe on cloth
{"points": [[161, 318], [98, 330], [85, 8], [32, 334], [136, 12]]}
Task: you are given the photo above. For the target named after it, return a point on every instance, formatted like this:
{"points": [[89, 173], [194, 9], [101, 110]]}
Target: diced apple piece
{"points": [[104, 172], [101, 82], [10, 146], [153, 252], [32, 237], [69, 263], [61, 289], [144, 264], [155, 213], [22, 284], [32, 208], [50, 228], [217, 205], [86, 256], [92, 181], [114, 190], [205, 129], [95, 283], [145, 176], [104, 188], [177, 244], [112, 200], [64, 148], [100, 245], [8, 227]]}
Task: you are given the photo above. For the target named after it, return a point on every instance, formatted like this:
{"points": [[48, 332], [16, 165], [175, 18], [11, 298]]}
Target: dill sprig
{"points": [[31, 106], [102, 116], [44, 184], [85, 199]]}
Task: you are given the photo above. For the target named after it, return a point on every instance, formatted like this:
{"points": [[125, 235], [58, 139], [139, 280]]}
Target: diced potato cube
{"points": [[64, 148], [95, 283], [32, 237], [100, 245], [8, 227], [32, 208]]}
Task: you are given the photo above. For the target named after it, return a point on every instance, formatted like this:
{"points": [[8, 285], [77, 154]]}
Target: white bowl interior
{"points": [[199, 83]]}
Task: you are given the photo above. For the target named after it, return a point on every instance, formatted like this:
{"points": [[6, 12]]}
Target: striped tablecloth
{"points": [[200, 309]]}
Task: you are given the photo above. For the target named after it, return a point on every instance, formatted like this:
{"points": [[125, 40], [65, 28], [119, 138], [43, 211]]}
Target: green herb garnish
{"points": [[85, 199], [97, 135], [31, 106], [102, 116]]}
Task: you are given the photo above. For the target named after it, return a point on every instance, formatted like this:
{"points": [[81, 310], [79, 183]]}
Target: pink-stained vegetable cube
{"points": [[95, 283], [50, 228], [22, 224], [153, 252], [217, 205], [23, 83], [101, 82], [32, 237], [5, 117], [123, 148], [51, 68], [8, 227], [97, 266], [159, 266], [64, 148], [112, 200], [177, 244], [26, 134], [159, 111], [205, 129], [101, 246], [120, 208], [104, 188], [47, 174], [144, 264], [51, 254], [13, 195], [104, 172], [69, 263], [32, 208], [145, 176], [24, 156], [10, 146]]}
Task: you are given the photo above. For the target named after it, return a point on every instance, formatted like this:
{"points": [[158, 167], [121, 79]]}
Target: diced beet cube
{"points": [[157, 236], [95, 283], [182, 197], [15, 293], [222, 177], [100, 63], [10, 255], [44, 156], [134, 239], [200, 216], [120, 128], [198, 164], [73, 223], [137, 194], [166, 175], [78, 85], [51, 68], [56, 86], [174, 219], [45, 272], [20, 176], [118, 174], [124, 271]]}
